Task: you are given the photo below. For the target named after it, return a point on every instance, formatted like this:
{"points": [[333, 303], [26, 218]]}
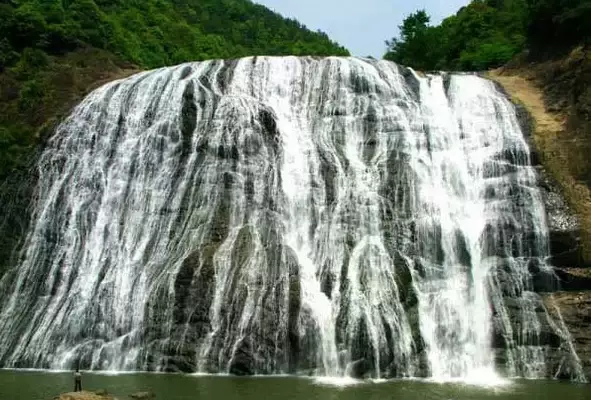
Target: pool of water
{"points": [[35, 385]]}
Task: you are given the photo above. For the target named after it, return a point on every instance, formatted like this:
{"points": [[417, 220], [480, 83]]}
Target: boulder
{"points": [[143, 396], [85, 395]]}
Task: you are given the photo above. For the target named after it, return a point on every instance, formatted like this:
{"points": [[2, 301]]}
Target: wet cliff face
{"points": [[552, 97], [557, 92], [272, 215], [564, 224], [565, 236], [66, 82], [16, 194], [567, 92], [573, 306]]}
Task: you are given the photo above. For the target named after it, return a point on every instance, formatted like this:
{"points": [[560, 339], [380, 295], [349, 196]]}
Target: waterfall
{"points": [[338, 216]]}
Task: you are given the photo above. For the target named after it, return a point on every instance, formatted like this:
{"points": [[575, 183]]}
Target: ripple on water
{"points": [[335, 381], [479, 377]]}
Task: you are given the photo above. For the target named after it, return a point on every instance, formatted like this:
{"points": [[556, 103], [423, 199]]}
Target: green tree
{"points": [[419, 44], [488, 33], [47, 47], [484, 34], [559, 23], [7, 54]]}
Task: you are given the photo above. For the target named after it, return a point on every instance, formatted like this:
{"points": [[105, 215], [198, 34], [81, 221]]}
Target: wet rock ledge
{"points": [[84, 395], [103, 395], [574, 308]]}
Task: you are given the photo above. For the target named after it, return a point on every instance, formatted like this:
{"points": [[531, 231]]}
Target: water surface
{"points": [[35, 385]]}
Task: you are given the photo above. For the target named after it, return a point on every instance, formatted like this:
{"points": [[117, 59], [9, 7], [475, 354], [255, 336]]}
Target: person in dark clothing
{"points": [[77, 380]]}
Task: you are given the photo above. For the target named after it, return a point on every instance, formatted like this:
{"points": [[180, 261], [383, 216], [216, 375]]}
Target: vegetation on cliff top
{"points": [[488, 33], [154, 33], [48, 48]]}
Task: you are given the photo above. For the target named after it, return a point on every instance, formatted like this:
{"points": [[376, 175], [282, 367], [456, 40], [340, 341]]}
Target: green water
{"points": [[23, 385]]}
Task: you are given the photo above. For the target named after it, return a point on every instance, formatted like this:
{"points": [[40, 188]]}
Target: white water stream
{"points": [[276, 215]]}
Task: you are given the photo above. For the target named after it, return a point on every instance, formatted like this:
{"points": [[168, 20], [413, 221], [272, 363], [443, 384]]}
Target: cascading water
{"points": [[285, 215]]}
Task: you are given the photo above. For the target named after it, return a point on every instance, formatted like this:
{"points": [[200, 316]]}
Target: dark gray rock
{"points": [[575, 312], [143, 396], [17, 191], [360, 368], [573, 279], [563, 225], [243, 361]]}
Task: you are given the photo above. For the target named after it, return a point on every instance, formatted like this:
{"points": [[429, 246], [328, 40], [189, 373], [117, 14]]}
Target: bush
{"points": [[7, 55], [487, 55], [13, 150], [488, 33], [31, 96], [31, 61]]}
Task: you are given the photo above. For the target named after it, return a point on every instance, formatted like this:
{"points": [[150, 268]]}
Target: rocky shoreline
{"points": [[102, 395], [85, 395]]}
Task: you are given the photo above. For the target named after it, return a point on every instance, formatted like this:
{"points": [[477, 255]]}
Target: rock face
{"points": [[565, 233], [285, 215], [574, 279], [557, 94], [143, 396], [16, 193], [568, 295], [574, 308], [563, 222]]}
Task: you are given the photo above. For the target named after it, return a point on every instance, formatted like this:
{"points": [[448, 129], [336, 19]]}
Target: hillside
{"points": [[50, 46], [153, 33], [489, 33], [551, 93], [52, 52], [557, 94]]}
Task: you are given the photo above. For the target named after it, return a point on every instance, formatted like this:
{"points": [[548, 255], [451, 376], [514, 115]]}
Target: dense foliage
{"points": [[152, 33], [488, 33], [557, 23], [47, 56]]}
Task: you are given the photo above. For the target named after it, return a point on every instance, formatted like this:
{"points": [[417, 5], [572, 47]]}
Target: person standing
{"points": [[77, 380]]}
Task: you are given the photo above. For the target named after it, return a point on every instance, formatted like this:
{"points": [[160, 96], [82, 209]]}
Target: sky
{"points": [[361, 26]]}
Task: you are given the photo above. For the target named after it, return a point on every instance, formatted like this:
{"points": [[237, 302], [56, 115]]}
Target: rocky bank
{"points": [[554, 101], [85, 395]]}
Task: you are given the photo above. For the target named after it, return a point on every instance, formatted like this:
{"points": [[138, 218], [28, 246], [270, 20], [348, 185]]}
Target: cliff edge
{"points": [[557, 97]]}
